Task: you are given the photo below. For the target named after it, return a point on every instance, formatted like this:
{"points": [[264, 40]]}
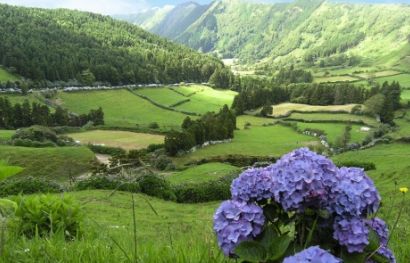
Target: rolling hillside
{"points": [[83, 48], [304, 32]]}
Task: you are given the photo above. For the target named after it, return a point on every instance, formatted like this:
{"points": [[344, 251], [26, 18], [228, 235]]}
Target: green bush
{"points": [[28, 185], [367, 166], [30, 143], [44, 215], [204, 192], [106, 183], [36, 133], [114, 151], [157, 186], [153, 147]]}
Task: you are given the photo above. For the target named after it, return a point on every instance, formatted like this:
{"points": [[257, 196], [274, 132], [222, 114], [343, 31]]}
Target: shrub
{"points": [[157, 186], [30, 143], [28, 185], [163, 162], [153, 147], [114, 151], [106, 183], [204, 192], [46, 214], [153, 126], [36, 133]]}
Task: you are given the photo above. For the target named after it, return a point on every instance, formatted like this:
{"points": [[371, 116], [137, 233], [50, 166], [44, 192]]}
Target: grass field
{"points": [[6, 170], [14, 98], [256, 141], [163, 96], [335, 131], [392, 171], [340, 117], [166, 232], [403, 79], [53, 163], [6, 76], [121, 108], [378, 74], [204, 99], [202, 173], [332, 79], [121, 139], [253, 120], [6, 135], [405, 95], [285, 109], [201, 98]]}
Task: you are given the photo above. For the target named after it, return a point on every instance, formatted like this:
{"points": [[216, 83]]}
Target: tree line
{"points": [[26, 114], [210, 127], [255, 93], [84, 48]]}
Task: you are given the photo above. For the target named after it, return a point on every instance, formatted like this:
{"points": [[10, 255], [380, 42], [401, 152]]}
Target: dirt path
{"points": [[103, 158]]}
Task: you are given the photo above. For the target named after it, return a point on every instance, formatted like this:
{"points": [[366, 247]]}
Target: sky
{"points": [[111, 7]]}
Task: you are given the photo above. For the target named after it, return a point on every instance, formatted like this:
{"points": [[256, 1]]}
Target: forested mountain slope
{"points": [[56, 45], [304, 31]]}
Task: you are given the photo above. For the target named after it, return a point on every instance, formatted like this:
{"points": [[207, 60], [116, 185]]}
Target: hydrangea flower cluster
{"points": [[381, 229], [354, 194], [352, 233], [303, 178], [235, 222], [299, 182], [313, 254], [253, 185]]}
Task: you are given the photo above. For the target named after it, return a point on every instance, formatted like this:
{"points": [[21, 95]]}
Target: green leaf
{"points": [[251, 251], [379, 259], [278, 247], [353, 257], [374, 242]]}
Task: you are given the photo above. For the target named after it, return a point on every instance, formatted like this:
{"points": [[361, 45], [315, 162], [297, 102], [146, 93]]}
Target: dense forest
{"points": [[26, 114], [79, 47]]}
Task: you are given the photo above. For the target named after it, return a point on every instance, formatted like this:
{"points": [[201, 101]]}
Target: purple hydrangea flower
{"points": [[385, 252], [303, 179], [253, 184], [235, 222], [381, 229], [352, 233], [355, 194], [313, 254]]}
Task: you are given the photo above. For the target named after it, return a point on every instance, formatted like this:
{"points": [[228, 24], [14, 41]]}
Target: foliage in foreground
{"points": [[301, 202]]}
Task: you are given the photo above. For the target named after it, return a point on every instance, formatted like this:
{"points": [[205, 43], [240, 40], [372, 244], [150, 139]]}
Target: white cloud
{"points": [[97, 6]]}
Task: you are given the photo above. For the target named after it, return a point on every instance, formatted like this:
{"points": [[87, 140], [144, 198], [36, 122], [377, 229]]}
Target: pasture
{"points": [[405, 95], [335, 130], [329, 117], [6, 170], [334, 79], [403, 79], [256, 141], [121, 108], [202, 173], [163, 96], [243, 120], [56, 163], [6, 135], [285, 109], [121, 139], [15, 98], [6, 76]]}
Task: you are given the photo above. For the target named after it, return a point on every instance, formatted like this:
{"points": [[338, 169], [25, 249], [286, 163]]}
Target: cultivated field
{"points": [[202, 173], [121, 139], [53, 163], [285, 109]]}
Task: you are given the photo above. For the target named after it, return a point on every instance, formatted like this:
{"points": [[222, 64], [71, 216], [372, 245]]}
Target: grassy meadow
{"points": [[285, 109], [121, 108], [6, 135], [202, 173], [121, 139], [257, 141], [329, 117], [57, 163], [7, 76], [7, 170]]}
